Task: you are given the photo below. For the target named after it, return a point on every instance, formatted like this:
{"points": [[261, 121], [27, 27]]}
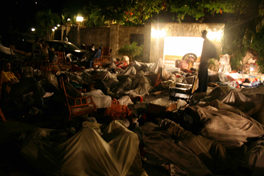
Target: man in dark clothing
{"points": [[208, 52], [96, 55]]}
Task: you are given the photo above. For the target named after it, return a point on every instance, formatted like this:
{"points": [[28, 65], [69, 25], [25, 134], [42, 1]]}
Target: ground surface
{"points": [[11, 131]]}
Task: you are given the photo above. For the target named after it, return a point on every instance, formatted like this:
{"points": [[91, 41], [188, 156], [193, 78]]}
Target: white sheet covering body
{"points": [[85, 153], [100, 99]]}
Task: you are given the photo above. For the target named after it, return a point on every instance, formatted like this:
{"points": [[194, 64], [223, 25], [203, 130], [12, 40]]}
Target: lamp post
{"points": [[79, 20]]}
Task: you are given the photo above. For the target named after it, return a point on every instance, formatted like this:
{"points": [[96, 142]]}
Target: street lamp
{"points": [[33, 29], [79, 19]]}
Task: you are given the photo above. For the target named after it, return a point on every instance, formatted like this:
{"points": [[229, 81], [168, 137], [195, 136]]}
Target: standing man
{"points": [[208, 52]]}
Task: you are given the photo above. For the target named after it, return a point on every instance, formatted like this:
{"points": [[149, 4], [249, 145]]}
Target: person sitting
{"points": [[52, 56], [65, 38], [44, 50], [96, 55], [16, 88], [36, 49]]}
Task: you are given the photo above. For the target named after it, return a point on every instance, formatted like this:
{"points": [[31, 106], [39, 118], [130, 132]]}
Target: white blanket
{"points": [[100, 99]]}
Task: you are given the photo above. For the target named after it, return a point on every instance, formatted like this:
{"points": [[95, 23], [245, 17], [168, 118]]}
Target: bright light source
{"points": [[179, 46], [33, 29], [158, 33], [214, 35], [79, 18], [53, 29], [58, 25], [251, 69], [68, 19], [36, 2]]}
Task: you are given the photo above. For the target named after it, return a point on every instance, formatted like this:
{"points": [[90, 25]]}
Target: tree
{"points": [[129, 12], [45, 21], [258, 45], [201, 9], [143, 10], [241, 29]]}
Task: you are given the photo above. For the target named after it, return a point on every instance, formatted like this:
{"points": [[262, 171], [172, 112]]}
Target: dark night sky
{"points": [[20, 14]]}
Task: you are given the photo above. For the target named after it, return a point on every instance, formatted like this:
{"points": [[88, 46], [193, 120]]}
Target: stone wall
{"points": [[116, 36], [99, 36]]}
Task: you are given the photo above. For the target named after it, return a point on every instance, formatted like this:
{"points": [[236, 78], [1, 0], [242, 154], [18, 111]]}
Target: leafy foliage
{"points": [[198, 9], [46, 20], [143, 10], [258, 45], [91, 13], [131, 50], [245, 16]]}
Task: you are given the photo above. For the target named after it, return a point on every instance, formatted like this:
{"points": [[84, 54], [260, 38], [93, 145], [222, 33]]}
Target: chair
{"points": [[1, 95], [2, 115], [81, 106], [60, 58], [183, 91], [105, 57]]}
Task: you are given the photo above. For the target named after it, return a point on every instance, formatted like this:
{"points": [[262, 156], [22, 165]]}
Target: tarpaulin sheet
{"points": [[191, 154], [130, 70], [85, 153], [254, 159], [141, 85], [227, 124]]}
